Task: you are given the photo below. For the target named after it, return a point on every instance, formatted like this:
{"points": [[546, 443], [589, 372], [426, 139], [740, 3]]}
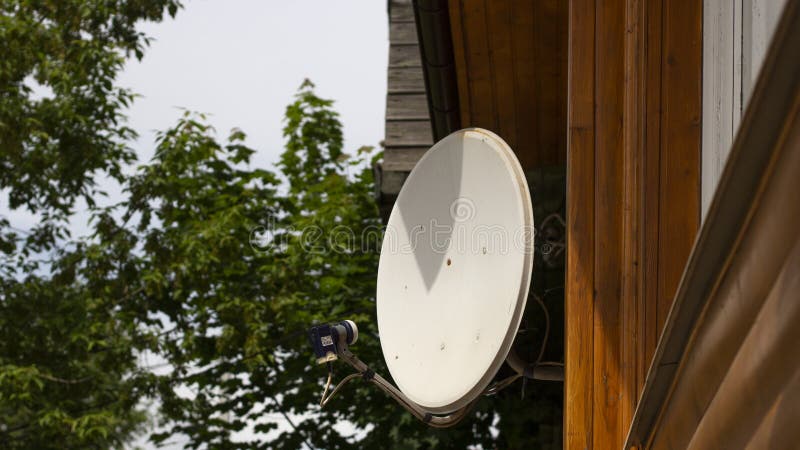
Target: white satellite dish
{"points": [[454, 270], [453, 280]]}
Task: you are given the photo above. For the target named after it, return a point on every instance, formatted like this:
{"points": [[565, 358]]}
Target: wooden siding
{"points": [[408, 129], [739, 360], [633, 193], [736, 35], [510, 58], [579, 297], [405, 80], [725, 373], [402, 159], [407, 133], [407, 107], [722, 87]]}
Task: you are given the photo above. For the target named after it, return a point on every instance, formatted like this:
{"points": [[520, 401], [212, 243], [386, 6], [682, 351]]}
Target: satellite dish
{"points": [[454, 270], [453, 280]]}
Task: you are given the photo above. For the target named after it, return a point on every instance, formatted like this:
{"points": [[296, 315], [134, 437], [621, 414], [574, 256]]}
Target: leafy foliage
{"points": [[61, 115], [194, 293], [65, 354], [62, 369]]}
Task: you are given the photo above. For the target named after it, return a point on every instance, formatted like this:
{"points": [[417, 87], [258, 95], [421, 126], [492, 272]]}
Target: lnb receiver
{"points": [[329, 339]]}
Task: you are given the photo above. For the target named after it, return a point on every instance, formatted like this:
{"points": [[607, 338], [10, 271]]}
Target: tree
{"points": [[62, 117], [196, 291], [65, 354], [232, 270]]}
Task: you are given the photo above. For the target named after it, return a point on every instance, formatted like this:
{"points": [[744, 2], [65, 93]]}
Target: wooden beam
{"points": [[402, 159], [609, 187], [401, 11], [681, 96], [579, 298], [502, 68], [404, 55], [405, 80], [459, 55], [403, 33], [407, 107], [636, 69], [483, 110], [414, 133]]}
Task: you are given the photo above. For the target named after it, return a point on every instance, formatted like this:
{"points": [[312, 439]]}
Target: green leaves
{"points": [[314, 140], [64, 357], [66, 347], [62, 118], [239, 310]]}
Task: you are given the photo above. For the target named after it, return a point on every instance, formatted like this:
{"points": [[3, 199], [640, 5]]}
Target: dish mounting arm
{"points": [[344, 334], [435, 421]]}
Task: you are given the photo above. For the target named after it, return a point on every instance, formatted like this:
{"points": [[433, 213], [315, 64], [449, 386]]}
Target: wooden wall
{"points": [[740, 378], [633, 146], [726, 372], [408, 127], [510, 58], [736, 35], [408, 132]]}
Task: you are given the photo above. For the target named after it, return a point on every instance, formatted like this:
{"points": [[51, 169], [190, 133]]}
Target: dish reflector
{"points": [[454, 270]]}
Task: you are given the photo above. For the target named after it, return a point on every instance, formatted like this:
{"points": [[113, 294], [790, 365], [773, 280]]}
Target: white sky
{"points": [[243, 60]]}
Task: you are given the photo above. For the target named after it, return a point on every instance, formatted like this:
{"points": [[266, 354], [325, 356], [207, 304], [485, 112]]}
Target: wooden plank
{"points": [[651, 210], [525, 100], [404, 55], [755, 261], [502, 67], [681, 97], [609, 164], [403, 33], [501, 83], [459, 59], [561, 58], [759, 19], [479, 71], [401, 11], [407, 107], [405, 80], [547, 46], [407, 114], [402, 159], [408, 133], [737, 63], [638, 173], [579, 290], [729, 271], [762, 367], [392, 181], [632, 302], [736, 37], [718, 92], [778, 429]]}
